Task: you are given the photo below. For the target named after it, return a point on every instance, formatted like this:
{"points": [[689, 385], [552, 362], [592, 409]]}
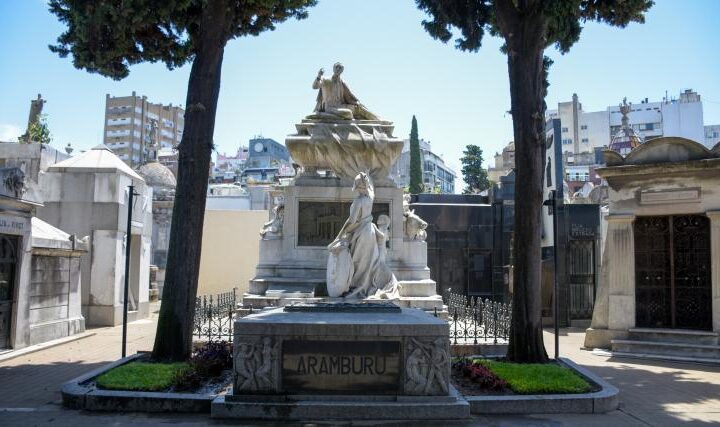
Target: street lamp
{"points": [[551, 204]]}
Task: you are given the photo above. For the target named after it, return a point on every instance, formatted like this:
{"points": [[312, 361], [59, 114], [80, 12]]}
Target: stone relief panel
{"points": [[427, 366], [255, 364]]}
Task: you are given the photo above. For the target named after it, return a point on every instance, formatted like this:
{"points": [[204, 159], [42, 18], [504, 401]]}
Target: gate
{"points": [[581, 277], [8, 259], [672, 272]]}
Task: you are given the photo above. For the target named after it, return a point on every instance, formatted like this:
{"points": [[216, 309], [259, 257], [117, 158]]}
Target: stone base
{"points": [[43, 332], [601, 338], [432, 304], [334, 407]]}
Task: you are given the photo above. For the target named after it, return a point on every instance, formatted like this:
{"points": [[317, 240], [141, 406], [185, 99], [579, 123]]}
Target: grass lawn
{"points": [[535, 378], [141, 376]]}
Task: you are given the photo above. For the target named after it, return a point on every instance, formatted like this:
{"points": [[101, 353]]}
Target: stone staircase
{"points": [[674, 344]]}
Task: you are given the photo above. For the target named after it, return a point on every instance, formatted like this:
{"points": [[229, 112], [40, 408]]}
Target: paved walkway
{"points": [[652, 393]]}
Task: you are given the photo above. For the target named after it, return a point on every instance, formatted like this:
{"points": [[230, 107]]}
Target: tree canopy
{"points": [[474, 174], [563, 19], [107, 37]]}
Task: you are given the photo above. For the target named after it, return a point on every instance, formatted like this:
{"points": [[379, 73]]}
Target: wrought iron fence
{"points": [[214, 317], [474, 320]]}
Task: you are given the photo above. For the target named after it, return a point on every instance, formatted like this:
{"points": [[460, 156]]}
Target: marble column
{"points": [[715, 266], [614, 310]]}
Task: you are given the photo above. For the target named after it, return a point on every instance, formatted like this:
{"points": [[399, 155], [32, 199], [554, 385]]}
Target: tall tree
{"points": [[528, 28], [474, 174], [107, 37], [37, 132], [416, 173]]}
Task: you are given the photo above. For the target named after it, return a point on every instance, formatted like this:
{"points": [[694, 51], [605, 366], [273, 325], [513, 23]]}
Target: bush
{"points": [[208, 361], [480, 375]]}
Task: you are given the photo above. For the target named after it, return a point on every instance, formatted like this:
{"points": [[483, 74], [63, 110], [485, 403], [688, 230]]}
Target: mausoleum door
{"points": [[8, 260], [672, 268]]}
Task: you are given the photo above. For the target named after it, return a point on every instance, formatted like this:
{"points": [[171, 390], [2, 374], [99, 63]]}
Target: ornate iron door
{"points": [[581, 277], [691, 272], [672, 269], [652, 272]]}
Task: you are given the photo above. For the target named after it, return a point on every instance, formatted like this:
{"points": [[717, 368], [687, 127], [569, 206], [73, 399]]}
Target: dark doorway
{"points": [[672, 272], [581, 277], [8, 261]]}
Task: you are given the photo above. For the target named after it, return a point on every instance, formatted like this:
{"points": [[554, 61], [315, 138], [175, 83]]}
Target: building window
{"points": [[564, 129], [585, 140], [583, 127]]}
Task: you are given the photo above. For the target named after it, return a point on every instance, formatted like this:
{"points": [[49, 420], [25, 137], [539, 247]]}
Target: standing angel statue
{"points": [[356, 264]]}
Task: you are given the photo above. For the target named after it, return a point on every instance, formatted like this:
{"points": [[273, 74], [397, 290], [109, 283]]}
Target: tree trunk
{"points": [[525, 41], [173, 339]]}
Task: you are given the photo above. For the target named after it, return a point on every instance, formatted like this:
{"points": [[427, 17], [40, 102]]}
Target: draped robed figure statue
{"points": [[356, 264], [335, 101]]}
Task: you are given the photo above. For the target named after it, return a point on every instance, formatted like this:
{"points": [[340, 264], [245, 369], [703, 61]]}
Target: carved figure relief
{"points": [[254, 365], [427, 367], [414, 226], [13, 180]]}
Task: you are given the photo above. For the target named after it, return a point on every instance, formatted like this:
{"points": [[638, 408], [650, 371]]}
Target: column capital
{"points": [[713, 215], [620, 218]]}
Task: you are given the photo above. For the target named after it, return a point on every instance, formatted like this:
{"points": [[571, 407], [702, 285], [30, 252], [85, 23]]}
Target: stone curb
{"points": [[604, 400], [77, 395]]}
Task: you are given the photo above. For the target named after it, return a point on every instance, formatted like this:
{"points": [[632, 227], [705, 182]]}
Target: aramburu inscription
{"points": [[348, 367]]}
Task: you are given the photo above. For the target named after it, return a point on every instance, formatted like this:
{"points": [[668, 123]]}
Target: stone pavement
{"points": [[652, 392]]}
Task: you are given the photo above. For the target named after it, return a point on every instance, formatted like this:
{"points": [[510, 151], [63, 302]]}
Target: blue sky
{"points": [[391, 64]]}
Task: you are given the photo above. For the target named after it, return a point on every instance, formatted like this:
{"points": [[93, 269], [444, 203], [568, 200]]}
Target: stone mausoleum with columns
{"points": [[659, 292]]}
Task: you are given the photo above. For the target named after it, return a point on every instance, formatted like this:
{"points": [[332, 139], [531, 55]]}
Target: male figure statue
{"points": [[335, 101]]}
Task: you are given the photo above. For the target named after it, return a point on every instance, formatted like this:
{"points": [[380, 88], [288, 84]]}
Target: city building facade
{"points": [[437, 176], [583, 131], [712, 135], [132, 123], [267, 161]]}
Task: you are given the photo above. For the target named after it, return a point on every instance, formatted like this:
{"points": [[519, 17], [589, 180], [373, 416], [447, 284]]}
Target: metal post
{"points": [[556, 291], [128, 240]]}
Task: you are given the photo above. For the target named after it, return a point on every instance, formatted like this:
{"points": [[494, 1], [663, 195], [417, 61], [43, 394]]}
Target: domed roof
{"points": [[157, 175]]}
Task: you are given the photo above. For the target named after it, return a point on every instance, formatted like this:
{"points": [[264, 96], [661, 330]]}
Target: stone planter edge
{"points": [[76, 395], [604, 400]]}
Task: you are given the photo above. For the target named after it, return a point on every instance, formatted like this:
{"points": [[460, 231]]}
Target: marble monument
{"points": [[342, 228]]}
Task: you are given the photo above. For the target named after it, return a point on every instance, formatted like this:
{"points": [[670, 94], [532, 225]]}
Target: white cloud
{"points": [[9, 133]]}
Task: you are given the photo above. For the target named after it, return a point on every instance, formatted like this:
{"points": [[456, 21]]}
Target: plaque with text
{"points": [[346, 367], [320, 222]]}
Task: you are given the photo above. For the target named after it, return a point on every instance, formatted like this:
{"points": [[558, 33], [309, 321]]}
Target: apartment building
{"points": [[133, 126], [583, 131]]}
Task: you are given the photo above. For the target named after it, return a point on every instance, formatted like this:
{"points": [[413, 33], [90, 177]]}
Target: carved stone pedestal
{"points": [[341, 361]]}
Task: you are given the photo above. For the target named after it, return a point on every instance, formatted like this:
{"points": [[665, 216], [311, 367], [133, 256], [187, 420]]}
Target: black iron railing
{"points": [[214, 317], [477, 321]]}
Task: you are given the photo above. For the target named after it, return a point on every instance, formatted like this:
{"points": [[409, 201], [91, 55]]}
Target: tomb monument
{"points": [[344, 153]]}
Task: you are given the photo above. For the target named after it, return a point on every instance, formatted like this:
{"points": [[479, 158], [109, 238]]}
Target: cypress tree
{"points": [[416, 173]]}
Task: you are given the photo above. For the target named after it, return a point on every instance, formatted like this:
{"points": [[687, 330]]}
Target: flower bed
{"points": [[491, 377], [208, 370]]}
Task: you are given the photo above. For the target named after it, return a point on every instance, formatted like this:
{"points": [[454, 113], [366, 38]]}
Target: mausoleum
{"points": [[659, 291], [87, 195]]}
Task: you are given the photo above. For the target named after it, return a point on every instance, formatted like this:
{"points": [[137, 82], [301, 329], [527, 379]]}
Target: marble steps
{"points": [[674, 336], [290, 287], [657, 349]]}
